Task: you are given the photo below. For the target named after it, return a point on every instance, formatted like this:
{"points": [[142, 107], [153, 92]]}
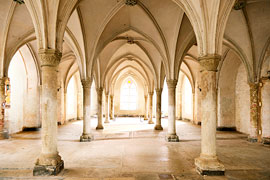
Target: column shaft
{"points": [[150, 111], [207, 163], [171, 136], [99, 112], [254, 112], [111, 107], [86, 135], [3, 132], [145, 107], [158, 110], [49, 158], [107, 108]]}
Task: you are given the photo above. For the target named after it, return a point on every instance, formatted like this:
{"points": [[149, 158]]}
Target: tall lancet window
{"points": [[128, 96]]}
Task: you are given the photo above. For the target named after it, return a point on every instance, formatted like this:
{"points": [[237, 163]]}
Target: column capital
{"points": [[254, 85], [171, 83], [158, 91], [111, 96], [86, 83], [99, 90], [150, 93], [210, 62], [49, 57], [3, 81]]}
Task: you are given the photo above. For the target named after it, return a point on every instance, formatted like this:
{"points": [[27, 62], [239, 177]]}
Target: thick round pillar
{"points": [[111, 107], [254, 112], [207, 163], [158, 110], [107, 108], [171, 135], [145, 107], [150, 111], [86, 135], [49, 161], [99, 111], [3, 131]]}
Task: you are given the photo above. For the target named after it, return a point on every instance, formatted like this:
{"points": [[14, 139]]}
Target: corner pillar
{"points": [[86, 135], [3, 131], [99, 110], [254, 112], [171, 135], [49, 161], [158, 110], [145, 107], [106, 108], [208, 163], [111, 107], [150, 111]]}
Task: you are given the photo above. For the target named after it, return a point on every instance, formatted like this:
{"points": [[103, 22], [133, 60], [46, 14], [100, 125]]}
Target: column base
{"points": [[158, 127], [107, 121], [172, 138], [150, 122], [209, 166], [99, 127], [252, 139], [4, 134], [86, 138], [48, 166], [266, 141]]}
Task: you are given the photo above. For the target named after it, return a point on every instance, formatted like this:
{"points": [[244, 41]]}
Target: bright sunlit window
{"points": [[128, 99]]}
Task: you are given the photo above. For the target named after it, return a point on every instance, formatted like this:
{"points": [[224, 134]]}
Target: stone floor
{"points": [[128, 149]]}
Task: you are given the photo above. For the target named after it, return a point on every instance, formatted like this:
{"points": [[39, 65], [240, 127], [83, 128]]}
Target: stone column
{"points": [[145, 107], [254, 112], [86, 135], [111, 108], [107, 108], [79, 104], [171, 136], [150, 111], [208, 163], [49, 161], [158, 110], [99, 108], [2, 113]]}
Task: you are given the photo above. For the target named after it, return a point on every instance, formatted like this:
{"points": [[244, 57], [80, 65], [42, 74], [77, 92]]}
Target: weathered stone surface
{"points": [[209, 166], [99, 99], [254, 112], [86, 138], [145, 107], [172, 138], [158, 110], [150, 111], [48, 170]]}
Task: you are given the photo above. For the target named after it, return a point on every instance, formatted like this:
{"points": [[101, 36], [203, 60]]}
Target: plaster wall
{"points": [[226, 91], [18, 79], [242, 101], [71, 100], [265, 111], [187, 100], [93, 99], [140, 98]]}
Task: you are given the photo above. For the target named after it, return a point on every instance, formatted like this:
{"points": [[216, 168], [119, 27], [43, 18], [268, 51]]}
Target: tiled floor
{"points": [[128, 149]]}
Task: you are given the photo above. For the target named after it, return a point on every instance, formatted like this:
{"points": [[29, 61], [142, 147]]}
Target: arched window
{"points": [[128, 96]]}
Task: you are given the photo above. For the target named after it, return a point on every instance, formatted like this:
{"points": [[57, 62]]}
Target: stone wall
{"points": [[242, 101]]}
